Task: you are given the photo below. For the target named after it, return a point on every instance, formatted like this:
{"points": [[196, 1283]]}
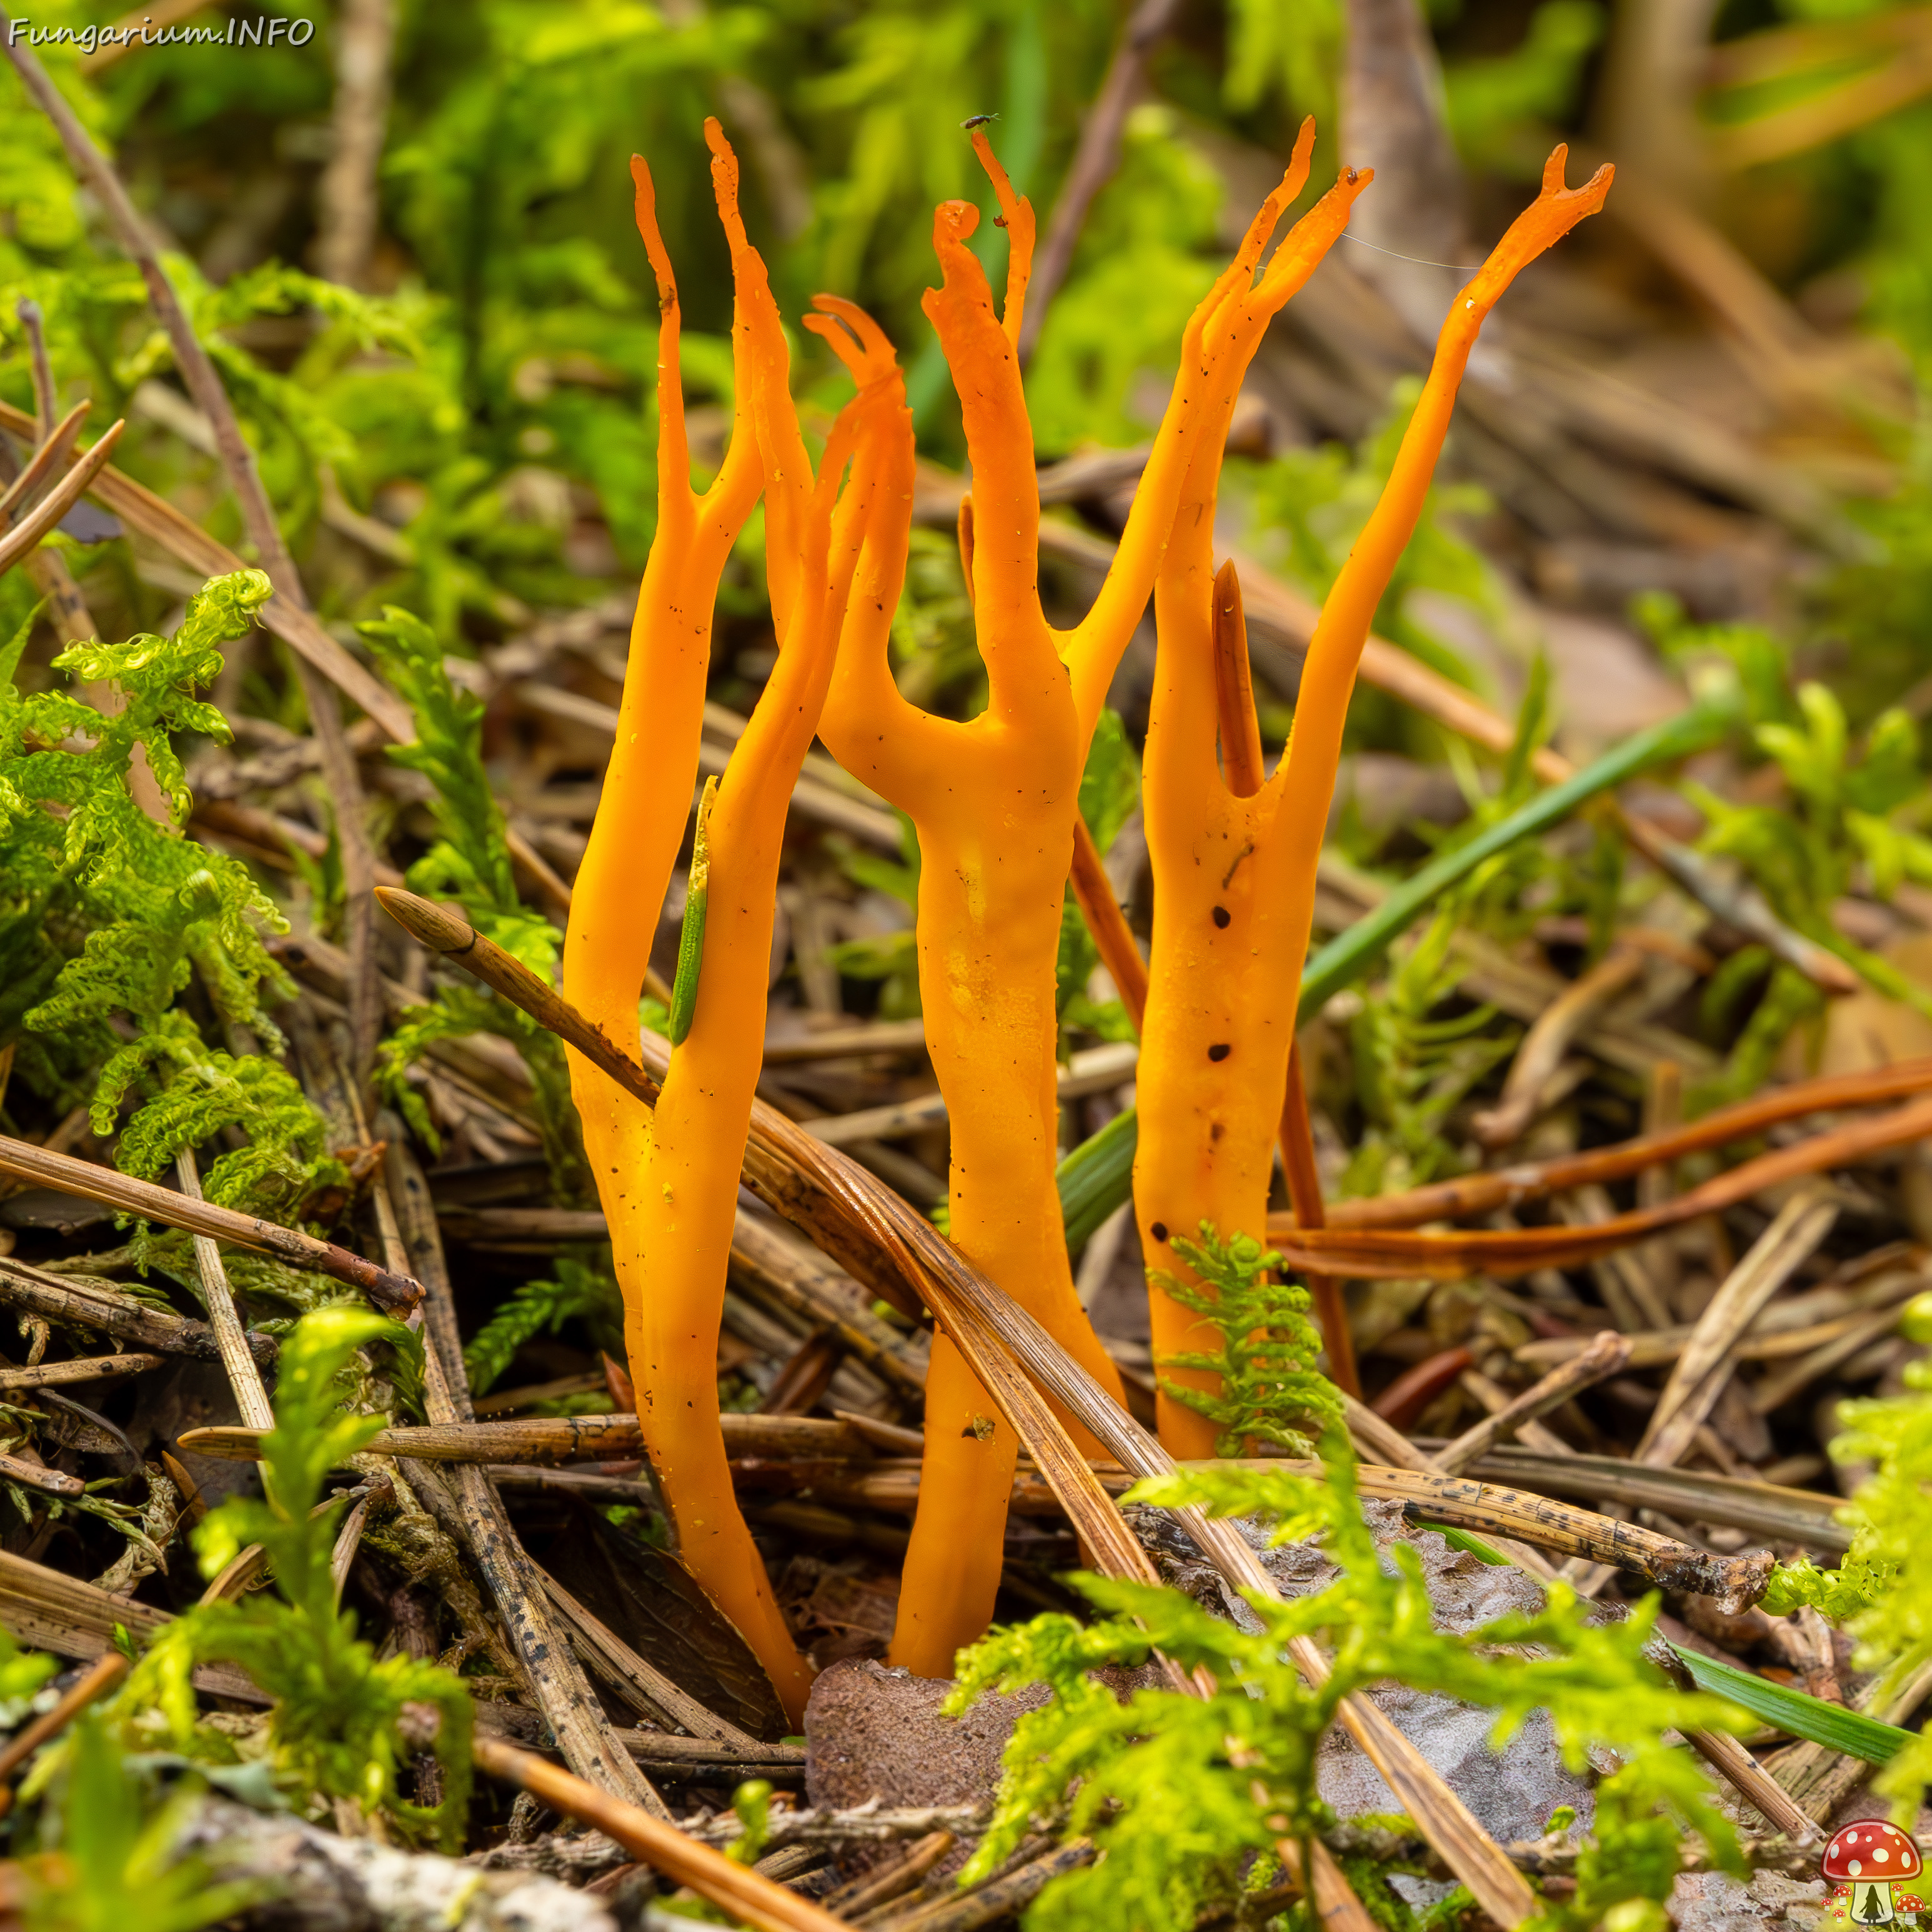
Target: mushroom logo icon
{"points": [[1867, 1862]]}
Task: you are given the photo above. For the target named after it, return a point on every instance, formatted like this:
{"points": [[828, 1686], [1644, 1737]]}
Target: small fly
{"points": [[978, 120]]}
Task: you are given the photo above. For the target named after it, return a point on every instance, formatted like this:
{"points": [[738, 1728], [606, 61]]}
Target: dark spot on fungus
{"points": [[1159, 1231], [1223, 918], [1220, 1052]]}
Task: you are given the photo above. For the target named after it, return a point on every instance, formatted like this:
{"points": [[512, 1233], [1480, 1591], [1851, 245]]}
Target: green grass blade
{"points": [[1350, 954], [1098, 1175], [1796, 1712], [1461, 1539]]}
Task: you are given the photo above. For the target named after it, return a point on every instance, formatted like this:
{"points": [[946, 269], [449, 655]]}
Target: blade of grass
{"points": [[1097, 1176], [1350, 954], [1795, 1711]]}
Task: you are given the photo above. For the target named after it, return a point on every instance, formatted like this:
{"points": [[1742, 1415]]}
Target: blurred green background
{"points": [[409, 241]]}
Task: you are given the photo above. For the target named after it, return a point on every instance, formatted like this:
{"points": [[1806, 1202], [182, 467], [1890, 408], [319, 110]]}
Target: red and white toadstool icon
{"points": [[1865, 1860]]}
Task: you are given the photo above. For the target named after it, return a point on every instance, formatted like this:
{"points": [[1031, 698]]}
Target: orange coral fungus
{"points": [[994, 803], [1234, 875], [669, 1180]]}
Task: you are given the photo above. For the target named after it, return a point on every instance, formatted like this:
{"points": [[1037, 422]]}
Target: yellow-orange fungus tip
{"points": [[953, 221], [1215, 1054]]}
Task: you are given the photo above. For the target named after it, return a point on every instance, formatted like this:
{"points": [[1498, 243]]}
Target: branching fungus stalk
{"points": [[1235, 875], [669, 1180], [994, 801]]}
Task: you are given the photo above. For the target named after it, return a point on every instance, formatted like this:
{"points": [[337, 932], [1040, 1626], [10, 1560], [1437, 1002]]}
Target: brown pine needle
{"points": [[1472, 1194], [393, 1294], [742, 1892]]}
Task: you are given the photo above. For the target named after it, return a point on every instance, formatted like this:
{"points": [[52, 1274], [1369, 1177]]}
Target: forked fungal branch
{"points": [[669, 1180], [994, 802], [1235, 874]]}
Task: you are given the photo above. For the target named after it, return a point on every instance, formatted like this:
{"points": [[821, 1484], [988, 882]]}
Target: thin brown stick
{"points": [[1606, 1355], [244, 1376], [90, 1368], [1094, 161], [94, 1683], [346, 196], [893, 1881], [563, 1439], [24, 537], [999, 1898], [1736, 1581], [660, 1751], [1772, 1391], [1108, 924], [1705, 1365], [743, 1893], [405, 1191], [1296, 1139], [1495, 1398], [1731, 1761], [46, 400], [1765, 1510], [394, 1294], [1542, 1048], [348, 1541], [53, 454], [1092, 1070], [37, 1476], [1509, 1187], [963, 529], [849, 1042], [1450, 1257], [84, 1305], [1239, 728], [641, 1683]]}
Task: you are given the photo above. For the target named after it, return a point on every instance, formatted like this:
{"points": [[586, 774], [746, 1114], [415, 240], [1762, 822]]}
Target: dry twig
{"points": [[394, 1294]]}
